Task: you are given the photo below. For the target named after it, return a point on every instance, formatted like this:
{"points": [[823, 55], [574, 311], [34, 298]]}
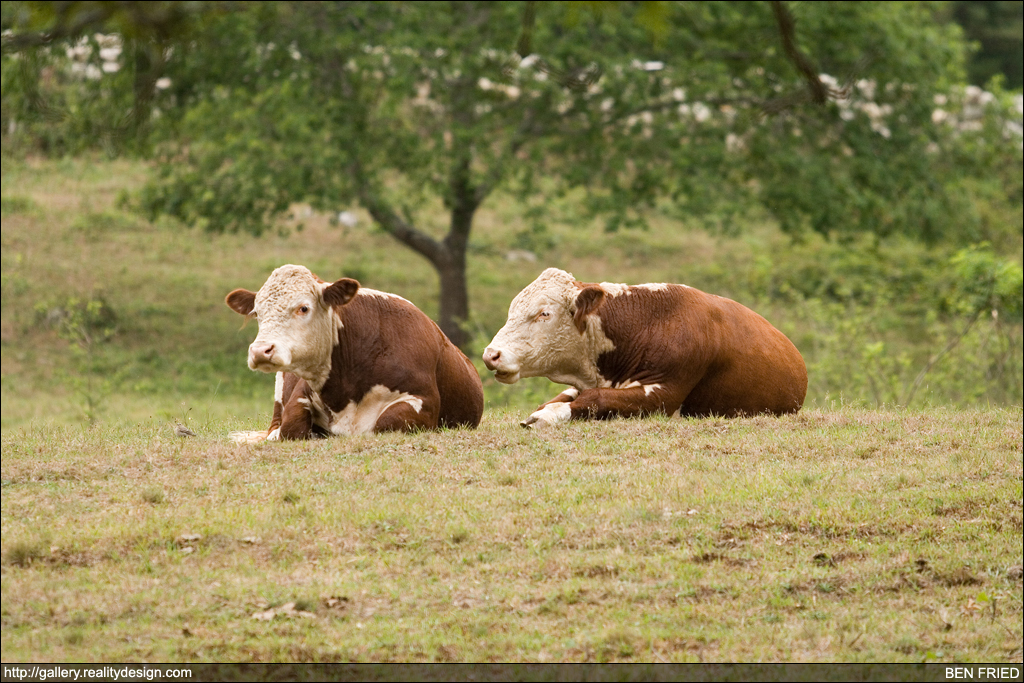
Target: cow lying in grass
{"points": [[636, 350], [351, 360]]}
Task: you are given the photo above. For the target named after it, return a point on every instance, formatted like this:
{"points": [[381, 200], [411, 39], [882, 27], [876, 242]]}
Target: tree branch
{"points": [[160, 21], [98, 16], [787, 30], [394, 225], [524, 46]]}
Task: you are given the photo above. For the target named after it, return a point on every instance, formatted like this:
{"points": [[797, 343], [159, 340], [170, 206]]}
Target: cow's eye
{"points": [[543, 315], [303, 310]]}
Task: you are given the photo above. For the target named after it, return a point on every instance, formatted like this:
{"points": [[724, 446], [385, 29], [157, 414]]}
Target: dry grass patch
{"points": [[686, 540]]}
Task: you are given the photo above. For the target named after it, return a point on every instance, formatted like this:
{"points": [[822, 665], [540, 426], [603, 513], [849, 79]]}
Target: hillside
{"points": [[159, 342]]}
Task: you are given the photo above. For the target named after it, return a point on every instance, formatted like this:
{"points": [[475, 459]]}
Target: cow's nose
{"points": [[263, 353], [491, 357]]}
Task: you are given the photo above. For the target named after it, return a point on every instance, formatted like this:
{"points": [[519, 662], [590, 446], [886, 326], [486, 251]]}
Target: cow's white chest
{"points": [[361, 417]]}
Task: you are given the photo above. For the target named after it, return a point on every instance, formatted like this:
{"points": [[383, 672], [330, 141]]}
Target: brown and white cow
{"points": [[351, 360], [642, 349]]}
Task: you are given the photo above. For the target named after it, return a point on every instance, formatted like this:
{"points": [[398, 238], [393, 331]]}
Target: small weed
{"points": [[305, 605], [291, 497], [907, 645], [153, 496], [13, 204], [24, 553], [961, 576], [617, 645]]}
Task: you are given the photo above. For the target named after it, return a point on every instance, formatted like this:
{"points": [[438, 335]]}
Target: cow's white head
{"points": [[550, 333], [298, 325]]}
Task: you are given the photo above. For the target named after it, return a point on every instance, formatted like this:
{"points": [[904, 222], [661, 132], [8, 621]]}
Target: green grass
{"points": [[843, 535]]}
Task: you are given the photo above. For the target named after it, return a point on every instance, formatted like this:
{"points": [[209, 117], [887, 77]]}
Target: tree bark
{"points": [[462, 202], [454, 301]]}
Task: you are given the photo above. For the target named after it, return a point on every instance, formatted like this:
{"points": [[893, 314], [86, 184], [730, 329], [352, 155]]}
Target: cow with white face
{"points": [[351, 360], [637, 350]]}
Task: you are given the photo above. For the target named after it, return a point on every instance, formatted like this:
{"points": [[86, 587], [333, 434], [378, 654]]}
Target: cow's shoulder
{"points": [[382, 318], [371, 305], [656, 303]]}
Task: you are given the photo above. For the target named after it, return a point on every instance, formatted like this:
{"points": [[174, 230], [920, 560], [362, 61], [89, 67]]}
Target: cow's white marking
{"points": [[572, 392], [275, 435], [361, 417], [384, 295], [549, 415], [614, 288], [630, 384], [279, 388]]}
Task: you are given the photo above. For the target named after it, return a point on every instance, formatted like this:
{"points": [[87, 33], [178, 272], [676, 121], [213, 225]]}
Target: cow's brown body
{"points": [[647, 349], [388, 366]]}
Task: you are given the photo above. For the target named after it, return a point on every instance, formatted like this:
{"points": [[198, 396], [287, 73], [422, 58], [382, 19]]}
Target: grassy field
{"points": [[839, 534], [832, 535]]}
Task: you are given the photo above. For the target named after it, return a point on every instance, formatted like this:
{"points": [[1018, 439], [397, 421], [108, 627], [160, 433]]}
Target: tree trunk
{"points": [[452, 271], [448, 256], [454, 301]]}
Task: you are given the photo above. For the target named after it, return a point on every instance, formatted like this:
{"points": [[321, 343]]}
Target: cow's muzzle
{"points": [[263, 356], [504, 371]]}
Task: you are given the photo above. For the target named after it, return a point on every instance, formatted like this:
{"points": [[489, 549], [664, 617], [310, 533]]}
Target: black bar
{"points": [[513, 672]]}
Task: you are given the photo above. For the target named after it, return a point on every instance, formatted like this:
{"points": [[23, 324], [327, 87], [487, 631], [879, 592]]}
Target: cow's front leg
{"points": [[604, 403], [554, 411], [296, 412], [285, 385]]}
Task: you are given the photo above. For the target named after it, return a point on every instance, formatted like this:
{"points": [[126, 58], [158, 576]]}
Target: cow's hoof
{"points": [[549, 415]]}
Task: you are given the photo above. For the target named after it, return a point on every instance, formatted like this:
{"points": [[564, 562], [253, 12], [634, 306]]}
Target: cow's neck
{"points": [[356, 344], [315, 375], [317, 369], [585, 373]]}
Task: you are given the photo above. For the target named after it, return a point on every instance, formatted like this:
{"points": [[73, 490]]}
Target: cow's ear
{"points": [[341, 292], [587, 302], [241, 301]]}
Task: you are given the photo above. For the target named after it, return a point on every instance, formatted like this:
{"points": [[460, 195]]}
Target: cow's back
{"points": [[726, 359], [755, 369]]}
